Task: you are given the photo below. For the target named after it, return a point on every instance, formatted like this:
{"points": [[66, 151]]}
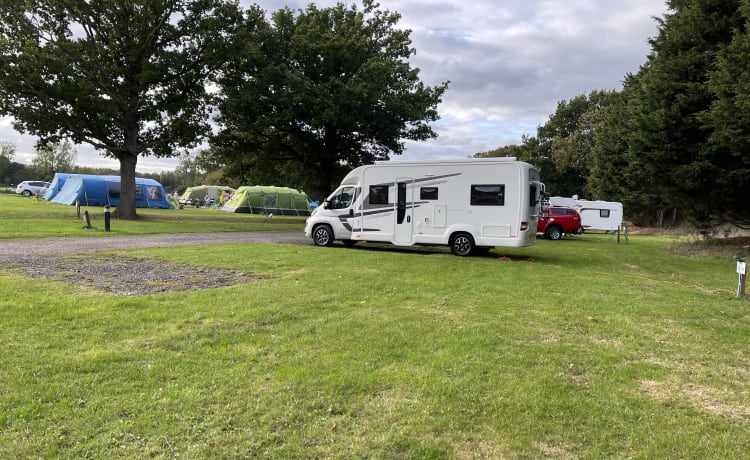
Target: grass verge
{"points": [[581, 348], [24, 217]]}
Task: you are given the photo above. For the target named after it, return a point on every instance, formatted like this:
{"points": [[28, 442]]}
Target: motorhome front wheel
{"points": [[323, 235]]}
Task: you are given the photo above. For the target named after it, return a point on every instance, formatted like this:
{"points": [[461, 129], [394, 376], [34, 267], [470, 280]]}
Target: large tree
{"points": [[729, 122], [669, 141], [568, 138], [318, 92], [127, 77]]}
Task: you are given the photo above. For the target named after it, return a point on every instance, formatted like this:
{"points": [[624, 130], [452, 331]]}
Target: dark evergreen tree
{"points": [[728, 120], [668, 143]]}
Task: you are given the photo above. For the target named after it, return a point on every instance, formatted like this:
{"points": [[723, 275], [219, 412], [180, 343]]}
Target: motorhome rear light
{"points": [[524, 226]]}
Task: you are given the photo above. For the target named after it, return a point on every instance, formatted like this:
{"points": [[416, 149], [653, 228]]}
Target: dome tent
{"points": [[259, 199], [57, 184], [195, 196], [92, 190]]}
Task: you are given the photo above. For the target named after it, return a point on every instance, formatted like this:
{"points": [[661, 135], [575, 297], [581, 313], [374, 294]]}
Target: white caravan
{"points": [[595, 215], [470, 205]]}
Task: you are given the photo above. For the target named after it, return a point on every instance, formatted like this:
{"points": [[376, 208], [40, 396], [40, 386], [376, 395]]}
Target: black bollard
{"points": [[106, 218], [742, 272]]}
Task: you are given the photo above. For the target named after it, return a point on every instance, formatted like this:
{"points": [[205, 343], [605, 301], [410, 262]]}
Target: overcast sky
{"points": [[509, 63]]}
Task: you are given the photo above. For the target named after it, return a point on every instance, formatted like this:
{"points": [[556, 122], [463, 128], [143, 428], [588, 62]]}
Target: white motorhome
{"points": [[595, 215], [471, 205]]}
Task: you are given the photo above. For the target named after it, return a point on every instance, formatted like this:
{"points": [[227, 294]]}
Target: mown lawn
{"points": [[580, 348], [22, 217]]}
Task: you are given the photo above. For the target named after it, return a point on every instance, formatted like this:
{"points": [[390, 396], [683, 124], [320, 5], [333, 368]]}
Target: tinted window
{"points": [[604, 213], [428, 193], [378, 194], [562, 211], [488, 195]]}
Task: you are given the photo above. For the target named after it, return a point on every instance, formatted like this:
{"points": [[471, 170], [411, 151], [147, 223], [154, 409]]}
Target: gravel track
{"points": [[11, 249], [75, 260]]}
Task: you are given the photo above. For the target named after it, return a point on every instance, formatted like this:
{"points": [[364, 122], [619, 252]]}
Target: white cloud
{"points": [[509, 62]]}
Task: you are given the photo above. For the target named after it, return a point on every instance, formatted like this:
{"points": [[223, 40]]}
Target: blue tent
{"points": [[105, 190], [57, 184]]}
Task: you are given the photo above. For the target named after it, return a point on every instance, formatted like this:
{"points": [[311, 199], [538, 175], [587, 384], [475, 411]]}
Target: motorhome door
{"points": [[404, 210]]}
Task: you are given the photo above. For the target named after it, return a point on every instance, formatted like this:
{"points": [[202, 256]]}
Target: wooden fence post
{"points": [[87, 219]]}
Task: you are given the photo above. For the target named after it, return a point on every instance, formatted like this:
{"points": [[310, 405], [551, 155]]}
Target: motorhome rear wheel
{"points": [[462, 244]]}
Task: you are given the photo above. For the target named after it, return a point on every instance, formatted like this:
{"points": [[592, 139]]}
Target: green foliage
{"points": [[670, 144], [569, 137], [729, 121], [670, 140], [317, 92], [127, 78], [52, 157]]}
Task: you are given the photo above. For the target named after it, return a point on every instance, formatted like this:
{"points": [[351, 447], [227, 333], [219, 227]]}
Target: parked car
{"points": [[559, 221], [32, 187]]}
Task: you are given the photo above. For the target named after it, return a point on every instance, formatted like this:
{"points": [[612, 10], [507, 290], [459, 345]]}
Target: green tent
{"points": [[259, 199], [196, 196]]}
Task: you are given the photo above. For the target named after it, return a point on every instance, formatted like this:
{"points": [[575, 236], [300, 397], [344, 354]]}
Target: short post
{"points": [[87, 219], [78, 209], [106, 218], [741, 270]]}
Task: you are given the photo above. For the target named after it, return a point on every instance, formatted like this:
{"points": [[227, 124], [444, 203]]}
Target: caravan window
{"points": [[488, 195], [604, 213], [428, 193], [378, 194]]}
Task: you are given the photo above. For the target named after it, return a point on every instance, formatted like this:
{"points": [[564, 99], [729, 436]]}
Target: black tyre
{"points": [[323, 235], [26, 193], [462, 244], [554, 233]]}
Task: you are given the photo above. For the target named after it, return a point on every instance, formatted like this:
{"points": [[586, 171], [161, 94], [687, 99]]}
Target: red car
{"points": [[558, 221]]}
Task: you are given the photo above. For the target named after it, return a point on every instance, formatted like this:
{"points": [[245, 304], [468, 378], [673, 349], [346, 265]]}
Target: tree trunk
{"points": [[126, 207]]}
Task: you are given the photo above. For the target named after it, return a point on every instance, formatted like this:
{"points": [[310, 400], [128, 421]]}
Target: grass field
{"points": [[22, 217], [580, 348]]}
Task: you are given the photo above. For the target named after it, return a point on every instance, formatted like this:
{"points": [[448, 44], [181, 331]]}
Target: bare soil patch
{"points": [[76, 261], [128, 276]]}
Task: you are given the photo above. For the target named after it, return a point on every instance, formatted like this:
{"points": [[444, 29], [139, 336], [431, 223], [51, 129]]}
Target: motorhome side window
{"points": [[342, 199], [378, 194], [604, 213], [428, 193], [488, 195]]}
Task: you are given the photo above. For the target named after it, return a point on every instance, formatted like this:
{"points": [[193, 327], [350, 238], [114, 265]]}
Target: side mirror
{"points": [[326, 204]]}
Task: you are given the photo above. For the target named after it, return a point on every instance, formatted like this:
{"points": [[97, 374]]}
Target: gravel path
{"points": [[11, 250], [75, 261]]}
